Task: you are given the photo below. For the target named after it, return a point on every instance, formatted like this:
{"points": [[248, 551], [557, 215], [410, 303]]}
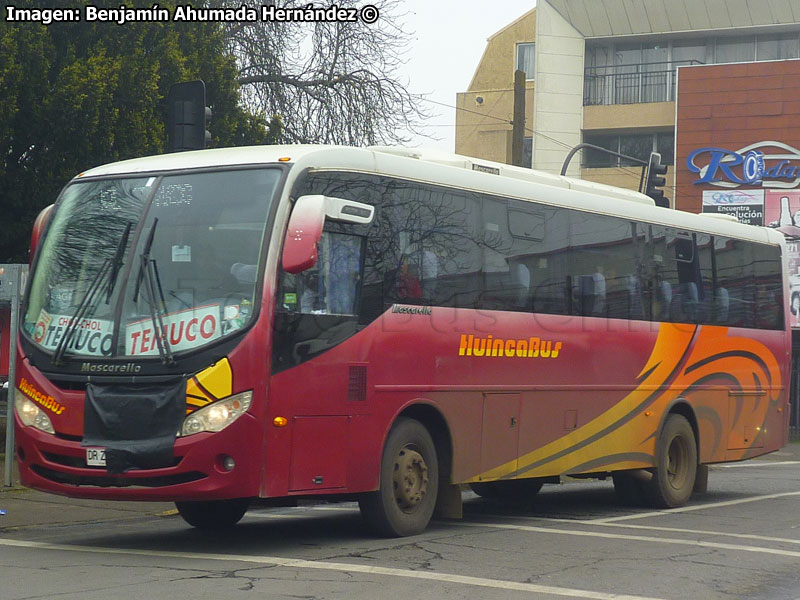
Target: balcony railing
{"points": [[632, 84]]}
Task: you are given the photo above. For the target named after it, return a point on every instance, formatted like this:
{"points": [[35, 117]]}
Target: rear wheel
{"points": [[701, 480], [514, 489], [409, 482], [214, 514], [676, 465]]}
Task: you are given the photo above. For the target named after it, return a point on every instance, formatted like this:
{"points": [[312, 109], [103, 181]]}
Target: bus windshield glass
{"points": [[126, 258]]}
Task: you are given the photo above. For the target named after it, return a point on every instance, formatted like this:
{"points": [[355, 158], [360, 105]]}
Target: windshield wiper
{"points": [[148, 272], [145, 252], [83, 306], [89, 297], [152, 282], [115, 266]]}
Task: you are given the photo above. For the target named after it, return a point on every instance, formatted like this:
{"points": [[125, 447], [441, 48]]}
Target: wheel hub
{"points": [[677, 459], [410, 479]]}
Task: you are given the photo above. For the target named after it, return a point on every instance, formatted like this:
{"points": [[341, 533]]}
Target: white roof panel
{"points": [[618, 17], [781, 10], [677, 15], [760, 12], [637, 16], [657, 15], [608, 18], [718, 9], [739, 12], [697, 13], [578, 16], [599, 18]]}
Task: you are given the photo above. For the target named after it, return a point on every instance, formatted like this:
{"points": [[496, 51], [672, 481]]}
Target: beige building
{"points": [[605, 72]]}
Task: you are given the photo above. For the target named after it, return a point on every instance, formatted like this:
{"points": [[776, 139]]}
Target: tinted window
{"points": [[433, 246]]}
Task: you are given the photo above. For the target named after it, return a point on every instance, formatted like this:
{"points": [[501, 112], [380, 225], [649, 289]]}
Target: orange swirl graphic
{"points": [[730, 382]]}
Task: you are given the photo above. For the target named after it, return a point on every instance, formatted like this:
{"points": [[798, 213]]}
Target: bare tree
{"points": [[329, 82]]}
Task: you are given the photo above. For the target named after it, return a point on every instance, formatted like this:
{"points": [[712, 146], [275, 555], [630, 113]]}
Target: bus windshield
{"points": [[125, 258]]}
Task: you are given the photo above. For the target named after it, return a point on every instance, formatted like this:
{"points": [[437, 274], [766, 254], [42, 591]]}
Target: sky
{"points": [[448, 38]]}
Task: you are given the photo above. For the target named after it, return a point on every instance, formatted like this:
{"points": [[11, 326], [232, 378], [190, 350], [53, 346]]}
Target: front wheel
{"points": [[676, 465], [409, 482], [214, 514]]}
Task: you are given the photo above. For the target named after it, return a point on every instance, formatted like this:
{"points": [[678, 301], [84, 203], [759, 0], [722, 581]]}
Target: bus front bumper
{"points": [[207, 466]]}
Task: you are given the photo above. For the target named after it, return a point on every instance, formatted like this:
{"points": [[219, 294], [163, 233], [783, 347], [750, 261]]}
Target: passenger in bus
{"points": [[662, 298], [417, 275]]}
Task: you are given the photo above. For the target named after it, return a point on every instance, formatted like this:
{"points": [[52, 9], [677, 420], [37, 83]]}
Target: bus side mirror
{"points": [[38, 228], [306, 223]]}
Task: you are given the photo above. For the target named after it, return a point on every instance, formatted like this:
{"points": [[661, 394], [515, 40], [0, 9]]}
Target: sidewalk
{"points": [[24, 507]]}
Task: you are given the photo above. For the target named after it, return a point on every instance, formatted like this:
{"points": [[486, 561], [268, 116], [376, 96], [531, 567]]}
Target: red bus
{"points": [[260, 325]]}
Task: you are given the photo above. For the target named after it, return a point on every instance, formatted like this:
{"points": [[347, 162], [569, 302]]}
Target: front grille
{"points": [[116, 481], [79, 462]]}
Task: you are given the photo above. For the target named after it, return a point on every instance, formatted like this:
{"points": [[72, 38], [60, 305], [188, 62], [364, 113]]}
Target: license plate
{"points": [[96, 457]]}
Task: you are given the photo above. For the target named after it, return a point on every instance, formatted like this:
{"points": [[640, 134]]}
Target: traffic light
{"points": [[655, 180], [188, 116]]}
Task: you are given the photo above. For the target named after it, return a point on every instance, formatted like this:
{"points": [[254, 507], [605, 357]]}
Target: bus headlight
{"points": [[30, 414], [217, 416]]}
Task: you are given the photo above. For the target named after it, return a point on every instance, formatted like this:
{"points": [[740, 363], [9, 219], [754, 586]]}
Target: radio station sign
{"points": [[767, 164]]}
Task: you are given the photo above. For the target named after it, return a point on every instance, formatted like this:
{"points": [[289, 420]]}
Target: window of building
{"points": [[597, 158], [636, 145], [665, 145], [692, 51], [526, 59], [631, 73], [735, 49], [777, 47]]}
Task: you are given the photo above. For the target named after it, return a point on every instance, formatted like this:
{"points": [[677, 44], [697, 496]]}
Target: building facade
{"points": [[608, 73]]}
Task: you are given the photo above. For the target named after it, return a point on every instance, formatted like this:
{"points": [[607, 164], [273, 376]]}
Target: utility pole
{"points": [[518, 123], [11, 284]]}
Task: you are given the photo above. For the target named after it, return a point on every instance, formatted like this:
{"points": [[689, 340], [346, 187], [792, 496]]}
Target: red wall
{"points": [[732, 106]]}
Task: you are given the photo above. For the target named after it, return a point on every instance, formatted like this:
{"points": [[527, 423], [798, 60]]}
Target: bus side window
{"points": [[331, 287], [635, 304], [662, 301], [590, 294]]}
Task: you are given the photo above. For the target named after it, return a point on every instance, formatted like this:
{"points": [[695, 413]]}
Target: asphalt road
{"points": [[740, 540]]}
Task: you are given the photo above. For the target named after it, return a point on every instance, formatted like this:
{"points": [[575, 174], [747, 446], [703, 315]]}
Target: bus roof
{"points": [[438, 167]]}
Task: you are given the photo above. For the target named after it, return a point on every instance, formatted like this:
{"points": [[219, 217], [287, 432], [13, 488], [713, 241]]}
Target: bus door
{"points": [[317, 382]]}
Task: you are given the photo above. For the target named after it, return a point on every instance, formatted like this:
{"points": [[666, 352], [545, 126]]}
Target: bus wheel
{"points": [[676, 465], [514, 489], [409, 482], [215, 514]]}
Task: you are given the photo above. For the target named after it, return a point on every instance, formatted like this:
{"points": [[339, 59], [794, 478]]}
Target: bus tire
{"points": [[214, 514], [676, 465], [512, 489], [409, 482], [701, 480]]}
